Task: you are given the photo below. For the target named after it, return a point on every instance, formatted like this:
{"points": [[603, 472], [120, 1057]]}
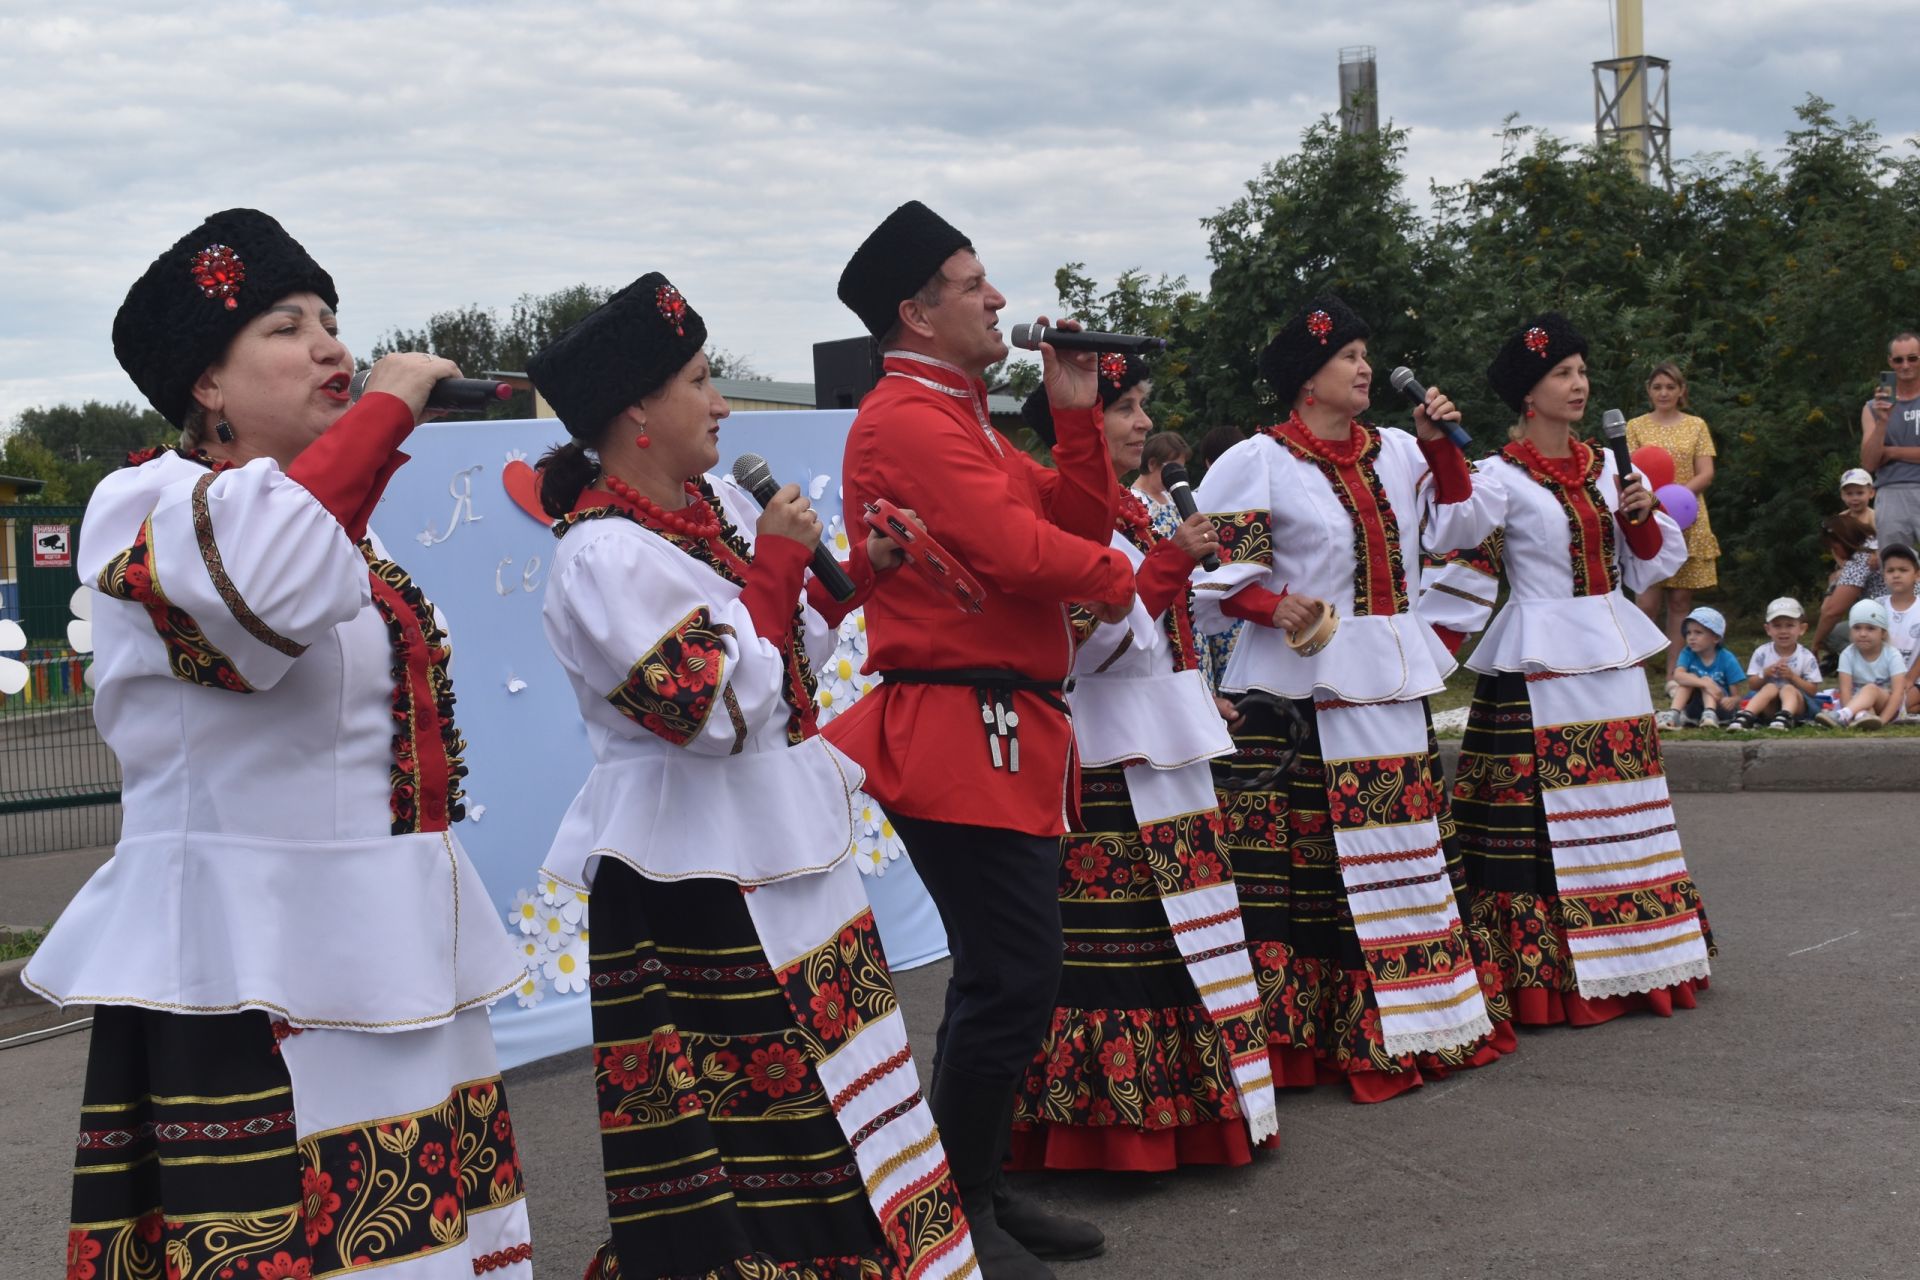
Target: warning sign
{"points": [[52, 546]]}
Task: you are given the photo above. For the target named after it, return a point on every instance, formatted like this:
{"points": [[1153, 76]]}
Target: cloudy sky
{"points": [[432, 156]]}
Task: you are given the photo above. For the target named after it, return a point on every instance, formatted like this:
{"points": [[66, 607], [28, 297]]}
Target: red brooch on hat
{"points": [[1537, 341], [1113, 367], [1320, 324], [219, 272], [673, 307]]}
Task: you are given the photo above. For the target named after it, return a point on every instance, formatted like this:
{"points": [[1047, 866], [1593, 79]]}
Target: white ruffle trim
{"points": [[1167, 721], [1633, 984], [389, 933], [1438, 1041], [752, 819], [1373, 658], [1569, 634]]}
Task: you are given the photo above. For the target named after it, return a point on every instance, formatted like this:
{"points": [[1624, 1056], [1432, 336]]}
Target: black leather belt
{"points": [[994, 687]]}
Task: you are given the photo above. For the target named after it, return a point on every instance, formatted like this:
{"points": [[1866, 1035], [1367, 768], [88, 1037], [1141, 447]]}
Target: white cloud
{"points": [[436, 155]]}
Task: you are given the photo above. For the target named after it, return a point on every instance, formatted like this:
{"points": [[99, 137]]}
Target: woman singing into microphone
{"points": [[759, 1110], [289, 955], [1575, 865], [1342, 863], [1157, 1055]]}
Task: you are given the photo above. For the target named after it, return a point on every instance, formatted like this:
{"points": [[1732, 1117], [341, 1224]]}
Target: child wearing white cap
{"points": [[1869, 668], [1784, 673], [1707, 679], [1856, 493]]}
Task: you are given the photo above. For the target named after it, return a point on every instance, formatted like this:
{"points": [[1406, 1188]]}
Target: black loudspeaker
{"points": [[843, 372]]}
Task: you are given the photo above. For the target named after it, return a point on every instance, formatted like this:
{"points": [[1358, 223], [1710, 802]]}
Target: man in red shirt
{"points": [[966, 742]]}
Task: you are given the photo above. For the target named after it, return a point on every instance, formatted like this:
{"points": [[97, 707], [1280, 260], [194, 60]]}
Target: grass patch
{"points": [[18, 944]]}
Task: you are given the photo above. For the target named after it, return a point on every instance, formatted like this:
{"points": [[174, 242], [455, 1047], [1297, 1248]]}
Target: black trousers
{"points": [[997, 892]]}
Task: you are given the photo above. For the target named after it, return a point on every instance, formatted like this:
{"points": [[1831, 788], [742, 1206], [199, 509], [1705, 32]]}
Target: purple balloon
{"points": [[1679, 502]]}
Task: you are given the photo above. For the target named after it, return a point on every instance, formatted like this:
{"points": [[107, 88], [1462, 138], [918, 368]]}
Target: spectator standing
{"points": [[1161, 448], [1784, 674], [1847, 539], [1890, 443], [1869, 672], [1708, 679], [1687, 438]]}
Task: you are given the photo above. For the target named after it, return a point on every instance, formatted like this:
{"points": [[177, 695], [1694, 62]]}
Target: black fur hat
{"points": [[1548, 339], [895, 262], [181, 314], [1311, 338], [1118, 374], [619, 353]]}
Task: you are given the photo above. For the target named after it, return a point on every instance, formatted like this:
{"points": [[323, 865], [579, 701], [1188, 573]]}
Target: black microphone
{"points": [[750, 472], [1028, 337], [1613, 425], [1409, 386], [1174, 476], [448, 393]]}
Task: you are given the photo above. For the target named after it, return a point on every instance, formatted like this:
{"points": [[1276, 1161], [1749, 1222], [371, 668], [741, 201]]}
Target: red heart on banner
{"points": [[522, 484]]}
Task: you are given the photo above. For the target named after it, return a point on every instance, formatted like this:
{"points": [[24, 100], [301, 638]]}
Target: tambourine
{"points": [[933, 561], [1316, 635]]}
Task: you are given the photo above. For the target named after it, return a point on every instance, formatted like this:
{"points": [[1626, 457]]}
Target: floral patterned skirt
{"points": [[1513, 888], [723, 1157], [1322, 1015], [192, 1164], [1134, 1074]]}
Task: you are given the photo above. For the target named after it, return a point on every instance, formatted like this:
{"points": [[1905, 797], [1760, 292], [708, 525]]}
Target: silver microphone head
{"points": [[357, 385], [1613, 424], [750, 471], [1401, 378], [1023, 336]]}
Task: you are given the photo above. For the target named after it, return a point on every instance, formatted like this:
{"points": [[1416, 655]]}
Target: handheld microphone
{"points": [[750, 472], [1406, 384], [1028, 337], [448, 393], [1613, 425], [1174, 476]]}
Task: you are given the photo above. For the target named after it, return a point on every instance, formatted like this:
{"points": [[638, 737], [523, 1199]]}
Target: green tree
{"points": [[22, 455], [1162, 307]]}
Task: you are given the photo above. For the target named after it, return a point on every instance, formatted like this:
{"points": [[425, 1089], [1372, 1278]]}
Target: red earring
{"points": [[1309, 397], [1529, 411], [642, 440]]}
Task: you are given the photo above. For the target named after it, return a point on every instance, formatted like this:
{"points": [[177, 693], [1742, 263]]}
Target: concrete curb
{"points": [[13, 992], [1850, 764]]}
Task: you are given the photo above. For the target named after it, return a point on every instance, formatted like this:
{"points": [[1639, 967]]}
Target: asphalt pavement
{"points": [[1772, 1132]]}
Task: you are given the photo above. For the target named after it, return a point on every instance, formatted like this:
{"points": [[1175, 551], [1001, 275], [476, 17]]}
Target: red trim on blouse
{"points": [[1571, 479], [1348, 466], [433, 772]]}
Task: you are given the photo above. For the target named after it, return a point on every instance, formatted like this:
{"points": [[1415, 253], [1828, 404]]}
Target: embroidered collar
{"points": [[948, 379], [1574, 482]]}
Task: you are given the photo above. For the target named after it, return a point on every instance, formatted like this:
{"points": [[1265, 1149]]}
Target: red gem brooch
{"points": [[1320, 324], [219, 272], [1113, 367], [1537, 341], [673, 307]]}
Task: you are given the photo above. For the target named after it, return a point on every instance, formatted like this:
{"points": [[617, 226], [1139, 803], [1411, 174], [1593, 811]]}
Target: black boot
{"points": [[972, 1115], [1052, 1236]]}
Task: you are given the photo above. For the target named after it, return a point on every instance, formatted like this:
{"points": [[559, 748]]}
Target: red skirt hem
{"points": [[1543, 1007], [1068, 1148], [1296, 1068]]}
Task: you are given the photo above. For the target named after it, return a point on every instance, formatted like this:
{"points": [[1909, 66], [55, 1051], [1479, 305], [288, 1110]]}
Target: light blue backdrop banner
{"points": [[450, 517]]}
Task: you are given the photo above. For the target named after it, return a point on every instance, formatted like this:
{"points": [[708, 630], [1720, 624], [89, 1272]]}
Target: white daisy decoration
{"points": [[553, 892], [875, 843], [566, 968], [839, 685], [837, 538], [524, 915], [554, 927], [13, 672], [530, 992], [574, 907], [886, 845]]}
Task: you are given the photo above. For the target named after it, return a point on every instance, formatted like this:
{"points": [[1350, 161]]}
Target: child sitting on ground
{"points": [[1785, 676], [1707, 677], [1869, 668], [1900, 566]]}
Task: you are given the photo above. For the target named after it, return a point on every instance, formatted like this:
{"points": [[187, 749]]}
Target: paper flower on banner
{"points": [[818, 487], [837, 538], [524, 915], [80, 630], [553, 892], [530, 992], [13, 672], [566, 968], [475, 812], [839, 686], [875, 842], [554, 928]]}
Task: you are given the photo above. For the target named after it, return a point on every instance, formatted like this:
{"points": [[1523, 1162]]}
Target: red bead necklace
{"points": [[696, 520], [1570, 471]]}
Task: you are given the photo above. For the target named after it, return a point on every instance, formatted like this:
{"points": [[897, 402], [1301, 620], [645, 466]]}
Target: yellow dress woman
{"points": [[1690, 442]]}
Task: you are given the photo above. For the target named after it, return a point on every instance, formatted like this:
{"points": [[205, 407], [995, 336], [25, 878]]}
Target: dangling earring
{"points": [[1309, 395], [1529, 411], [223, 431], [642, 440]]}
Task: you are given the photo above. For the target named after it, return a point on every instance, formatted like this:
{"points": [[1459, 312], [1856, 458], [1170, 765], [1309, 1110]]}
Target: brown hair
{"points": [[1163, 447], [1905, 335], [1671, 370], [1845, 532]]}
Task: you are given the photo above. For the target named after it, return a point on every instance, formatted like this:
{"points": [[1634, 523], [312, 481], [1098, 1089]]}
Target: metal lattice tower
{"points": [[1630, 100]]}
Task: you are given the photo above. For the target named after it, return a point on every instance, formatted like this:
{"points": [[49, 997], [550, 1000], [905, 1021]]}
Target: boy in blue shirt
{"points": [[1870, 668], [1707, 676]]}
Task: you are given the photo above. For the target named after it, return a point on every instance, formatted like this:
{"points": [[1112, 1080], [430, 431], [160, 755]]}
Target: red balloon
{"points": [[1656, 464]]}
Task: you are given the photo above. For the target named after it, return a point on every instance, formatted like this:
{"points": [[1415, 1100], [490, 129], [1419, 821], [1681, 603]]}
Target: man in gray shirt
{"points": [[1890, 445]]}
